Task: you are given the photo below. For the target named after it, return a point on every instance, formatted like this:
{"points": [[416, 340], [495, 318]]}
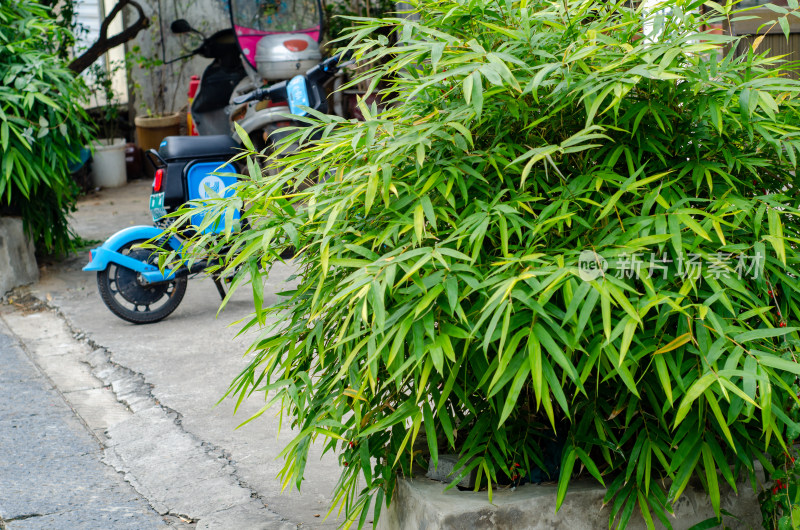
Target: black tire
{"points": [[133, 301]]}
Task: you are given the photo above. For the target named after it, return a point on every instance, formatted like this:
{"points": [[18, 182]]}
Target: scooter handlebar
{"points": [[317, 74], [328, 67], [256, 95]]}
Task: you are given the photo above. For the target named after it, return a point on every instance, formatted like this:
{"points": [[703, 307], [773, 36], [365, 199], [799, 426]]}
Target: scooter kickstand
{"points": [[220, 288]]}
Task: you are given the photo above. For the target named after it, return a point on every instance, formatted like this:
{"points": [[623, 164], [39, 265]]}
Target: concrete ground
{"points": [[148, 396], [52, 475]]}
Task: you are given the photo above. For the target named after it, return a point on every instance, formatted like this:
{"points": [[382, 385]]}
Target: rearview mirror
{"points": [[181, 26]]}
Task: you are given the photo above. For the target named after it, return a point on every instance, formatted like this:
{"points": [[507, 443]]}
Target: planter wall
{"points": [[423, 503], [17, 259]]}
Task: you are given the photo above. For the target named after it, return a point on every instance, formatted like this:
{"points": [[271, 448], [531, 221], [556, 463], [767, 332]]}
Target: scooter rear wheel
{"points": [[124, 293]]}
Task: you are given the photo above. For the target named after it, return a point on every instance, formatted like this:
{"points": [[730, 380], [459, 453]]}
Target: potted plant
{"points": [[159, 119], [108, 166], [573, 236]]}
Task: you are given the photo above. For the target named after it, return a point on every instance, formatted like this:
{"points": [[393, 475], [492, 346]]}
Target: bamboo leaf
{"points": [[695, 390], [567, 462], [675, 343]]}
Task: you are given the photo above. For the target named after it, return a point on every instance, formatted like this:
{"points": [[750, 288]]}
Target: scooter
{"points": [[267, 42], [128, 277]]}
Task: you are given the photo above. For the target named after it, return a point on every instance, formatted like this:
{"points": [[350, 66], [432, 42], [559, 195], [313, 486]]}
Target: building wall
{"points": [[162, 89], [777, 46], [763, 22]]}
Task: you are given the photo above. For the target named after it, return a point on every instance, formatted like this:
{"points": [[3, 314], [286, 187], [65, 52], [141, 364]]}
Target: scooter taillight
{"points": [[157, 180]]}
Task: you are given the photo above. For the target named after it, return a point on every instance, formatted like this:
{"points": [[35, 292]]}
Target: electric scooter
{"points": [[267, 42], [187, 167]]}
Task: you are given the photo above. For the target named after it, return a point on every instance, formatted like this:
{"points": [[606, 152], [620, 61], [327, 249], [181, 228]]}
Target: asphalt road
{"points": [[156, 412], [51, 471]]}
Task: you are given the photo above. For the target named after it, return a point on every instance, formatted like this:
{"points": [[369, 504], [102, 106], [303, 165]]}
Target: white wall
{"points": [[171, 82]]}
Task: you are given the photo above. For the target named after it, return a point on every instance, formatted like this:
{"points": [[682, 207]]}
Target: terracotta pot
{"points": [[151, 130]]}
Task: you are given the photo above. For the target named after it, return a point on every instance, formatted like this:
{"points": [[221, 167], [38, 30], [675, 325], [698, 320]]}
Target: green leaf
{"points": [[776, 362], [513, 393], [419, 222], [427, 207], [764, 333], [567, 462], [591, 467], [557, 353], [711, 478], [664, 377], [717, 411], [467, 88], [776, 234], [695, 390], [785, 26], [243, 136], [430, 433], [627, 337]]}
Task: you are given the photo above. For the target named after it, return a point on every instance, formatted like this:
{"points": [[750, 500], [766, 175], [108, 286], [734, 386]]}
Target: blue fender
{"points": [[108, 252]]}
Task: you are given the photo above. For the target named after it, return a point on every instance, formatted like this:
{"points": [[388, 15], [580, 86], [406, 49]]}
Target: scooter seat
{"points": [[197, 147]]}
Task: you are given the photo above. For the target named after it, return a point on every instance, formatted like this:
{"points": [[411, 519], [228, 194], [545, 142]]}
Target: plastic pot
{"points": [[108, 166]]}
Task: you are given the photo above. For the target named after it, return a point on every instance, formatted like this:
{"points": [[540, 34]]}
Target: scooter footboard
{"points": [[108, 252]]}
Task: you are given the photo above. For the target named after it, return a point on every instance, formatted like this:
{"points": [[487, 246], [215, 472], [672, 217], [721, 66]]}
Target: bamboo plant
{"points": [[575, 226]]}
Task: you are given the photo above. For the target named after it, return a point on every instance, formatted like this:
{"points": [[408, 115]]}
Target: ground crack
{"points": [[23, 517], [183, 517], [143, 390]]}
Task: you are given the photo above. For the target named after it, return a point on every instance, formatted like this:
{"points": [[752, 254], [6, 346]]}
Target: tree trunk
{"points": [[104, 42]]}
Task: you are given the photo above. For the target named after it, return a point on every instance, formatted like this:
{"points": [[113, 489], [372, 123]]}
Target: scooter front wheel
{"points": [[128, 297]]}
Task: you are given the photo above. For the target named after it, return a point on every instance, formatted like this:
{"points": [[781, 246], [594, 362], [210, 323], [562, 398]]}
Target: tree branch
{"points": [[104, 42]]}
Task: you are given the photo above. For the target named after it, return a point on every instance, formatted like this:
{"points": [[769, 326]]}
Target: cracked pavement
{"points": [[145, 398], [52, 476]]}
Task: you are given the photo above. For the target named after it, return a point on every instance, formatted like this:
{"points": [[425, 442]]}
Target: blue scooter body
{"points": [[189, 169], [108, 253]]}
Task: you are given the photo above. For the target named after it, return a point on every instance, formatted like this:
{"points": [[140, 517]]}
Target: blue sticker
{"points": [[204, 183], [298, 95], [163, 144]]}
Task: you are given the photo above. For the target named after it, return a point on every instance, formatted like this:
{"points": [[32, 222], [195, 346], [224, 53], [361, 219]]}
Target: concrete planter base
{"points": [[423, 503], [17, 259]]}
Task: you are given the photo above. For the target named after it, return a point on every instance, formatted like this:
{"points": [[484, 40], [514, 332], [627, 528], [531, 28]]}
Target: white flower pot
{"points": [[108, 165]]}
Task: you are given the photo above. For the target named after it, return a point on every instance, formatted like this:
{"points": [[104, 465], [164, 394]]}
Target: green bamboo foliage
{"points": [[42, 123], [451, 274]]}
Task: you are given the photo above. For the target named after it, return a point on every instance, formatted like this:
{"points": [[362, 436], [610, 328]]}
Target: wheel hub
{"points": [[131, 286]]}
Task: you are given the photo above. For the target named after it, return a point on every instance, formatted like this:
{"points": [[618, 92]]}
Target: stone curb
{"points": [[17, 259], [423, 503]]}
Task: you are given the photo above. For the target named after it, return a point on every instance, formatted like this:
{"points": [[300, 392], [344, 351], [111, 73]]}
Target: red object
{"points": [[295, 45], [194, 84], [779, 485], [157, 180]]}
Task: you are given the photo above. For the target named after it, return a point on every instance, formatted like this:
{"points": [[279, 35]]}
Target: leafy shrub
{"points": [[468, 268], [41, 123]]}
